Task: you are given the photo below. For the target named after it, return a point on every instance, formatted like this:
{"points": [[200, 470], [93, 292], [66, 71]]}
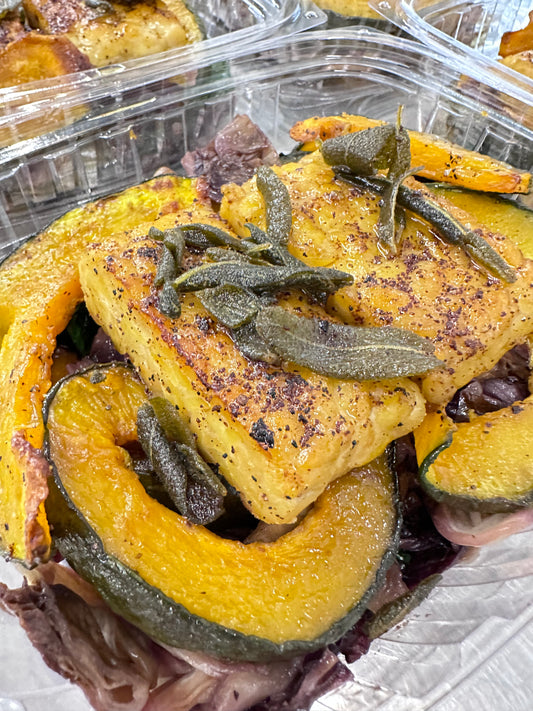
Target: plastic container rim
{"points": [[467, 60]]}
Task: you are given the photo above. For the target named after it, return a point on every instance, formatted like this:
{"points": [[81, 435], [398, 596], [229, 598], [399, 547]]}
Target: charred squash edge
{"points": [[29, 540], [162, 618]]}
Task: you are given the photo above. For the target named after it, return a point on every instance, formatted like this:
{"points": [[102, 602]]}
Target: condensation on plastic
{"points": [[227, 25], [468, 645], [468, 34]]}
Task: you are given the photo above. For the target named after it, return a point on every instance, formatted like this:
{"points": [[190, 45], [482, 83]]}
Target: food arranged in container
{"points": [[42, 40], [472, 35], [58, 58], [265, 228], [353, 9]]}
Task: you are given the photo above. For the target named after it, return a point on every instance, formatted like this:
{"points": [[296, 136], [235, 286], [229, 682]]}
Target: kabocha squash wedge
{"points": [[39, 290], [436, 158], [485, 464], [278, 435], [499, 214], [183, 584], [429, 287]]}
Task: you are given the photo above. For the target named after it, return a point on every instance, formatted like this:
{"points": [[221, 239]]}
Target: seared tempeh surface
{"points": [[278, 434], [429, 287]]}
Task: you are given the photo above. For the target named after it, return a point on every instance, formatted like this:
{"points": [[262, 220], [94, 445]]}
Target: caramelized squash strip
{"points": [[39, 290], [437, 158]]}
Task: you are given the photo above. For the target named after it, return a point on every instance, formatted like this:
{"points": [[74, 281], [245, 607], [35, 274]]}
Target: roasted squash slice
{"points": [[429, 287], [39, 290], [499, 214], [279, 435], [517, 41], [183, 584], [438, 159], [485, 464], [125, 31], [33, 57], [36, 57]]}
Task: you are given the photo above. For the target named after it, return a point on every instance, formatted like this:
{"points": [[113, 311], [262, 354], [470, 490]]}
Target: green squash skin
{"points": [[162, 618], [104, 197], [504, 209], [463, 501]]}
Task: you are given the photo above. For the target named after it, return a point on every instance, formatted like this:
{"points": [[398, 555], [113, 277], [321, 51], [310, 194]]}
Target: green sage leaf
{"points": [[345, 352], [194, 489], [169, 301], [177, 430], [163, 458], [449, 228], [364, 152], [174, 240], [223, 254], [262, 279], [175, 426], [252, 346], [166, 268], [278, 208], [231, 305], [399, 168], [274, 253], [200, 236]]}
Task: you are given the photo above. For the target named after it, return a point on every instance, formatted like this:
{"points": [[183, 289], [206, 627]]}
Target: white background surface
{"points": [[468, 646]]}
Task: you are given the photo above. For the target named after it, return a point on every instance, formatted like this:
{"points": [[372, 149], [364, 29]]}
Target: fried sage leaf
{"points": [[201, 236], [395, 611], [346, 352], [223, 254], [450, 229], [187, 479], [399, 169], [174, 240], [167, 269], [364, 152], [252, 345], [385, 147], [175, 427], [277, 205], [231, 305], [274, 253], [169, 301], [177, 431], [262, 279]]}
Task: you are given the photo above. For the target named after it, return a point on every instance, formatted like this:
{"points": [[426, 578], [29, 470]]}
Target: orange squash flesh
{"points": [[485, 464], [437, 158], [294, 588], [39, 290]]}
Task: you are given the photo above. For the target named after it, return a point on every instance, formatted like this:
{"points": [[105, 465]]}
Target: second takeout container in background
{"points": [[30, 109], [357, 71], [473, 638], [468, 34]]}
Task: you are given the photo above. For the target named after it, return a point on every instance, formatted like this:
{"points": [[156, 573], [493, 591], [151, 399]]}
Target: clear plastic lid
{"points": [[470, 644], [30, 109], [468, 34]]}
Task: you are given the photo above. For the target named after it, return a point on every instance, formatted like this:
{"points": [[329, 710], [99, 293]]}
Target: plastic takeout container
{"points": [[32, 108], [468, 34], [469, 645]]}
